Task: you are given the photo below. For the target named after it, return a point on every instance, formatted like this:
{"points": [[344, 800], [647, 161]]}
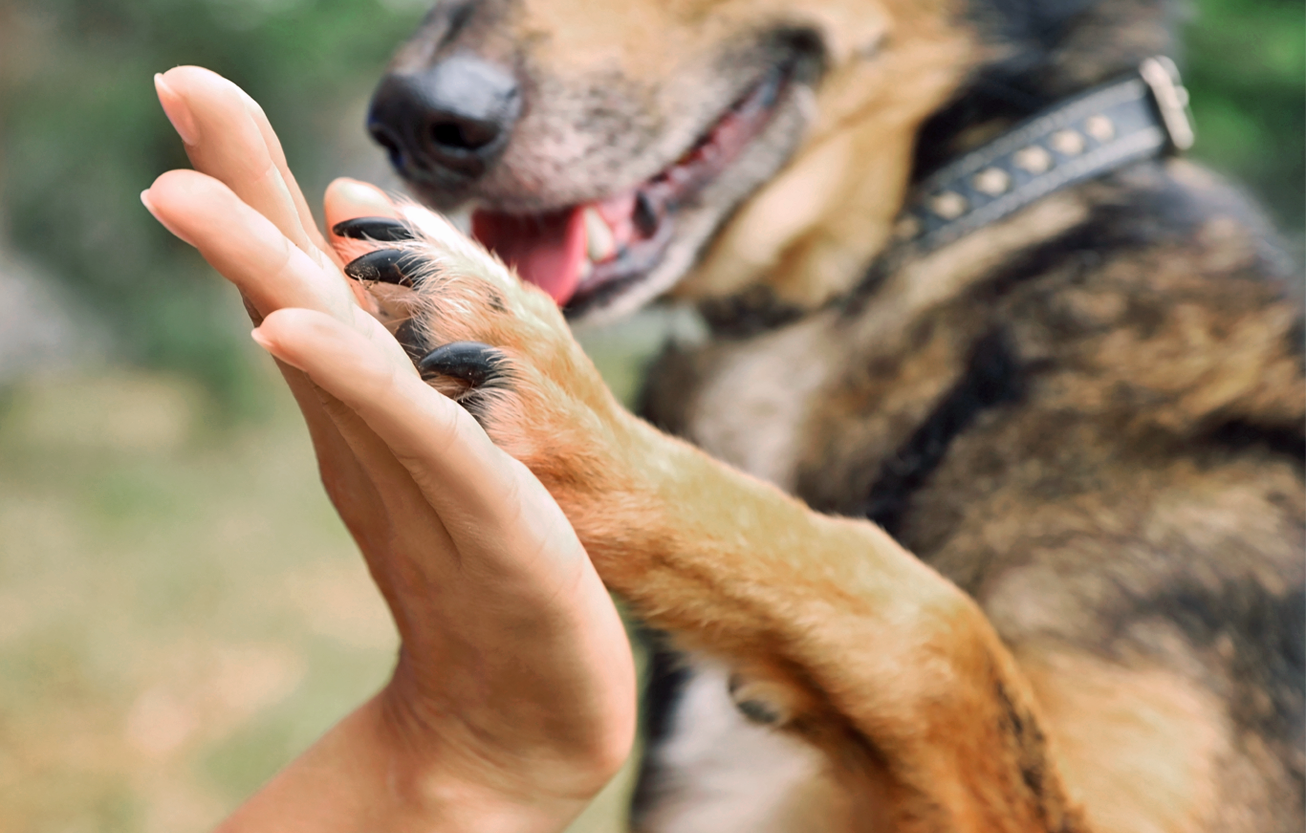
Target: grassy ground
{"points": [[180, 609]]}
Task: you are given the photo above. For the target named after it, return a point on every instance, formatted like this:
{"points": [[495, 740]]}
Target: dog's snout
{"points": [[452, 118]]}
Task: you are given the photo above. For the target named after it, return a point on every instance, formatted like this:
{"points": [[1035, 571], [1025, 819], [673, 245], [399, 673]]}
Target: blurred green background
{"points": [[180, 611]]}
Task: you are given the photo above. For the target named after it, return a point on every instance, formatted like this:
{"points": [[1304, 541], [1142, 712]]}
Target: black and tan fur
{"points": [[1088, 417]]}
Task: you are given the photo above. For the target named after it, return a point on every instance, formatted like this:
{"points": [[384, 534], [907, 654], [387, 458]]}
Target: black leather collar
{"points": [[1080, 138]]}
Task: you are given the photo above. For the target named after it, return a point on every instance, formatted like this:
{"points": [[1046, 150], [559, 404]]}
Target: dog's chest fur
{"points": [[750, 400]]}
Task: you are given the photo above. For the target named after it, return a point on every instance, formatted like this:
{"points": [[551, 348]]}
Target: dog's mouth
{"points": [[597, 248]]}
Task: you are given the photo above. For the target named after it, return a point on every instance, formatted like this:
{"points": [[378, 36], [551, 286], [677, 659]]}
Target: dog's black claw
{"points": [[475, 363], [382, 265], [381, 229]]}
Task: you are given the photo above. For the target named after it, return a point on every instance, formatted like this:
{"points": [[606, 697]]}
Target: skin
{"points": [[513, 698]]}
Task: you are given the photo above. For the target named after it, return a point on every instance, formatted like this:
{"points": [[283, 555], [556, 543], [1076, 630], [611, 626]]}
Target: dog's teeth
{"points": [[600, 242], [586, 268]]}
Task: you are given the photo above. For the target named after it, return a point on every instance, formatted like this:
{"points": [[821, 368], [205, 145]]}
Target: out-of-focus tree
{"points": [[82, 135], [1246, 68]]}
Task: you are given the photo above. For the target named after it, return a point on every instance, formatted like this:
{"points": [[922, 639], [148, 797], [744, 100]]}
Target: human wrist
{"points": [[445, 786], [444, 803]]}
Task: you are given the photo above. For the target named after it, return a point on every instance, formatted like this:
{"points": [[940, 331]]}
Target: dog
{"points": [[980, 506]]}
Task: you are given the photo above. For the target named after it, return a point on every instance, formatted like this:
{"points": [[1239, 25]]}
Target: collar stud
{"points": [[1080, 138]]}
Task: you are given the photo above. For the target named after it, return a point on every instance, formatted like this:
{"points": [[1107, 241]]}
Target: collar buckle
{"points": [[1171, 100]]}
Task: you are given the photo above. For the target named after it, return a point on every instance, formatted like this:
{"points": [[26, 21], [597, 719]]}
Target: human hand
{"points": [[513, 698]]}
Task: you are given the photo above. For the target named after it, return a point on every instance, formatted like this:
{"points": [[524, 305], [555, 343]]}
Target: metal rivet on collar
{"points": [[1100, 128], [907, 228], [1034, 159], [1067, 142], [1081, 138], [992, 181], [949, 205]]}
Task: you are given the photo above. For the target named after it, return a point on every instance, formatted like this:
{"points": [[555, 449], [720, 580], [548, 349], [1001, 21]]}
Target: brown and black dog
{"points": [[1000, 530]]}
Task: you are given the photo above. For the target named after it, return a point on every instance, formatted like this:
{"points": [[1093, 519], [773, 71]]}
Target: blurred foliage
{"points": [[1246, 69], [82, 135]]}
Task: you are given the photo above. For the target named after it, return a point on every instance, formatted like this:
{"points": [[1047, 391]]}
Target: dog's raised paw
{"points": [[477, 334]]}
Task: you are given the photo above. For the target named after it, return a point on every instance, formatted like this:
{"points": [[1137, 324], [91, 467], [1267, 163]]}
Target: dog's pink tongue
{"points": [[545, 249]]}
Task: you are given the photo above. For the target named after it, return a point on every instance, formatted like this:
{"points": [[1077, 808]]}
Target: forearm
{"points": [[363, 777]]}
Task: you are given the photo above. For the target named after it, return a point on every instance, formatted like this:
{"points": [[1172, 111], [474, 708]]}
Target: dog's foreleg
{"points": [[836, 634]]}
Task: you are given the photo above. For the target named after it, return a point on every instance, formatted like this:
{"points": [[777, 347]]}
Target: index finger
{"points": [[247, 249]]}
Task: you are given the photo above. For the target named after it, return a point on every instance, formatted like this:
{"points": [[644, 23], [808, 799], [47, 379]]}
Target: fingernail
{"points": [[362, 194], [149, 206], [177, 111], [271, 347]]}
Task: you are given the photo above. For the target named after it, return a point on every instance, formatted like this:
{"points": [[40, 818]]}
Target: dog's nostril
{"points": [[464, 136], [450, 120]]}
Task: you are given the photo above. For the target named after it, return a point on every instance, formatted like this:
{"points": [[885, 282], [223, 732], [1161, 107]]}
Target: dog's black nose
{"points": [[453, 118]]}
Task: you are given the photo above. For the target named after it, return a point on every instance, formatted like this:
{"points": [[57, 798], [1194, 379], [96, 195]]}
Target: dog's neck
{"points": [[1004, 169]]}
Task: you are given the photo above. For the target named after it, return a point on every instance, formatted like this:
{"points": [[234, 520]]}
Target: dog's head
{"points": [[616, 150]]}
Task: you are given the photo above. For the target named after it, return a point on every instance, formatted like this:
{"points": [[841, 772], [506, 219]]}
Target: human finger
{"points": [[487, 500], [228, 137], [247, 249], [214, 119], [270, 271]]}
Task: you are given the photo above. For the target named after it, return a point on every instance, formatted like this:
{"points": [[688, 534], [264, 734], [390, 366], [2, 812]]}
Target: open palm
{"points": [[514, 691]]}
